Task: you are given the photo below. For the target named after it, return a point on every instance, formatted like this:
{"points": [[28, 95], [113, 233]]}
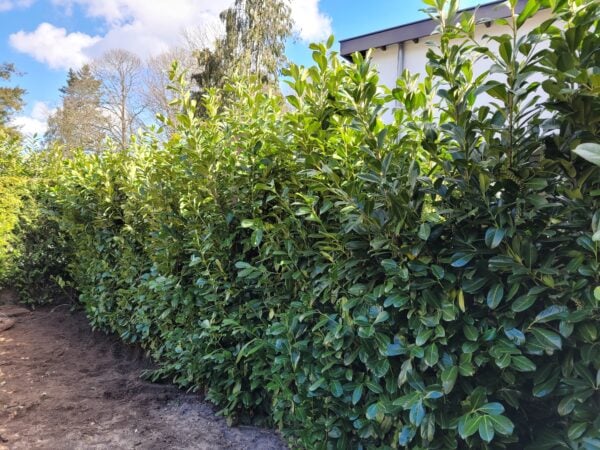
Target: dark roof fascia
{"points": [[417, 30]]}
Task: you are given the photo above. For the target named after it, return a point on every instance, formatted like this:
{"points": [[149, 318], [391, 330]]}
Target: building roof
{"points": [[417, 30]]}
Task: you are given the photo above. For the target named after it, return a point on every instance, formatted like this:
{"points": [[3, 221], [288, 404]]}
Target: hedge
{"points": [[431, 283]]}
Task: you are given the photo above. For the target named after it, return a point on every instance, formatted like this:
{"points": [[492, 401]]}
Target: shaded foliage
{"points": [[33, 250]]}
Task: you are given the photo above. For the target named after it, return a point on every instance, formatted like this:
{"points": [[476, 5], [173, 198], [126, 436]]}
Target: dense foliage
{"points": [[11, 202], [253, 42], [11, 98], [33, 251], [429, 283]]}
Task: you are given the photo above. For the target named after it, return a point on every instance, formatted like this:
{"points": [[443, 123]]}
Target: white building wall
{"points": [[390, 62]]}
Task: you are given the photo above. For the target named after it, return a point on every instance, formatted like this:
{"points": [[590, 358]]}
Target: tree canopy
{"points": [[253, 43], [11, 97]]}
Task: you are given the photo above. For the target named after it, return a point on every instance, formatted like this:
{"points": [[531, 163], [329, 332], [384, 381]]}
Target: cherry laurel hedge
{"points": [[429, 283], [33, 250]]}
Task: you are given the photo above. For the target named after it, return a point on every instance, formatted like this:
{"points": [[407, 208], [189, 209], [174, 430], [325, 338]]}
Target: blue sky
{"points": [[45, 37]]}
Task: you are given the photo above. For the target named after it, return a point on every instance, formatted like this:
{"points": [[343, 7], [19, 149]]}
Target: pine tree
{"points": [[11, 98], [79, 122]]}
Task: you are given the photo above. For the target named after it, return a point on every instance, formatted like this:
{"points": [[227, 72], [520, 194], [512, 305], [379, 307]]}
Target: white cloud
{"points": [[144, 27], [36, 122], [7, 5], [310, 23], [54, 46]]}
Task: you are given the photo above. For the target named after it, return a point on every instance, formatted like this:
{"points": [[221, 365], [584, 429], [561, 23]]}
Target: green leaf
{"points": [[544, 388], [486, 429], [523, 303], [501, 263], [317, 384], [434, 394], [590, 152], [336, 389], [588, 332], [335, 433], [382, 317], [470, 332], [597, 293], [494, 296], [406, 435], [449, 376], [468, 425], [416, 413], [423, 336], [549, 339], [554, 312], [357, 394], [522, 364], [330, 41], [503, 360], [370, 177], [469, 347], [438, 271], [465, 367], [372, 411], [576, 430], [257, 236], [395, 349], [472, 286], [566, 328], [431, 355], [515, 335], [424, 231], [537, 184], [530, 8], [529, 253], [566, 405], [374, 387], [293, 100], [461, 259], [247, 223], [494, 236], [395, 300], [493, 408], [502, 425]]}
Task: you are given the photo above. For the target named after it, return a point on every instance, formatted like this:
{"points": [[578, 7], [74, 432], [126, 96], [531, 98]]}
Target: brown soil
{"points": [[63, 386]]}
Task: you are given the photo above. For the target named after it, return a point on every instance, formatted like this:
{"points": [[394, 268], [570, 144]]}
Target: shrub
{"points": [[430, 283], [12, 202], [33, 251]]}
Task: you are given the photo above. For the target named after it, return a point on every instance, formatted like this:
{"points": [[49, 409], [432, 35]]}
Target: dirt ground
{"points": [[63, 386]]}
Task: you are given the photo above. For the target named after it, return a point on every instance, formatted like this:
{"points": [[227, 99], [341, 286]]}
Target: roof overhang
{"points": [[417, 30]]}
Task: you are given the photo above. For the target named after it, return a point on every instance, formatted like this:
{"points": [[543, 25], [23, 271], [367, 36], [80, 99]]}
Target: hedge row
{"points": [[33, 251], [431, 283], [13, 201]]}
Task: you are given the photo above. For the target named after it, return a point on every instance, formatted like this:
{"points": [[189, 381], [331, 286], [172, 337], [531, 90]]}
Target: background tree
{"points": [[158, 98], [79, 122], [11, 97], [122, 99], [253, 43]]}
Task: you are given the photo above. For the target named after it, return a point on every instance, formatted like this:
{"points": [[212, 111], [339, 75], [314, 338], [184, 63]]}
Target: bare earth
{"points": [[63, 386]]}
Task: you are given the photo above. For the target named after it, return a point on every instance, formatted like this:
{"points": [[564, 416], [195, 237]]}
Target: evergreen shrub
{"points": [[430, 283]]}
